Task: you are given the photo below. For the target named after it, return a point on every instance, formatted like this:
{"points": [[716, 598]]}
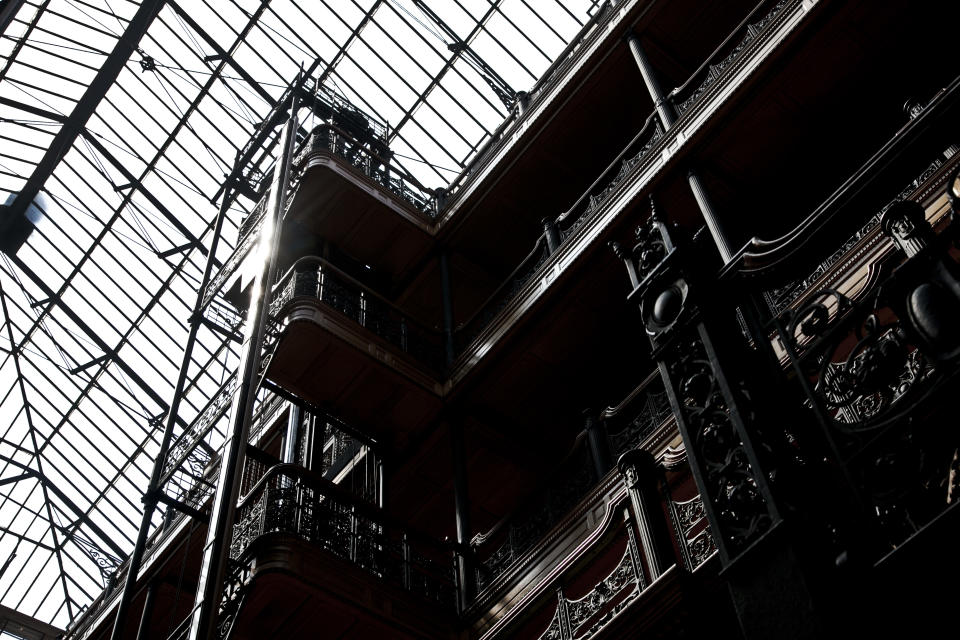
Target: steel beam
{"points": [[222, 54], [463, 45], [73, 126], [70, 504], [8, 13]]}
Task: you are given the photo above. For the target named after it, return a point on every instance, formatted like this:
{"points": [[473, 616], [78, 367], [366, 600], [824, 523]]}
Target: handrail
{"points": [[293, 501], [304, 150], [316, 481], [615, 165], [614, 412], [315, 278], [915, 142], [573, 487], [297, 267], [723, 45], [530, 257]]}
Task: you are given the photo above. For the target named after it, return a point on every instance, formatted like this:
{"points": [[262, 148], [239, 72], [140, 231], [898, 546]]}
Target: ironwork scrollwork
{"points": [[725, 465], [869, 368], [571, 616], [708, 389]]}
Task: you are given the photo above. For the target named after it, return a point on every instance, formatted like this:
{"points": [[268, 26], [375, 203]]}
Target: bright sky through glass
{"points": [[81, 393]]}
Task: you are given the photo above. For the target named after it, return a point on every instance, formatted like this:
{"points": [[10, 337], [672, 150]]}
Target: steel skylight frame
{"points": [[127, 117]]}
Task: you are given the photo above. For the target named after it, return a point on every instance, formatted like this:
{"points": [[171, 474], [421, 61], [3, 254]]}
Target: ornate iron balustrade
{"points": [[370, 159], [749, 32], [782, 297], [516, 535], [688, 520], [573, 618], [291, 501], [877, 374], [752, 30], [612, 177], [317, 279], [467, 332], [638, 417]]}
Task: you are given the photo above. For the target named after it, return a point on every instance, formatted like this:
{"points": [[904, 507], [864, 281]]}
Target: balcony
{"points": [[309, 550], [571, 518], [569, 239], [345, 348], [334, 172]]}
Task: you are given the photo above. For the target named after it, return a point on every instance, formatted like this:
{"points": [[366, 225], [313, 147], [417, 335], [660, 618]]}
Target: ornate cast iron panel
{"points": [[581, 618], [872, 369], [716, 414]]}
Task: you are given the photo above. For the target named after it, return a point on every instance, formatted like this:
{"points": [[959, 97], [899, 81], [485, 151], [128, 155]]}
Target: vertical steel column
{"points": [[461, 501], [639, 474], [551, 234], [446, 297], [294, 419], [153, 488], [668, 116], [147, 610], [213, 568], [597, 441], [381, 483]]}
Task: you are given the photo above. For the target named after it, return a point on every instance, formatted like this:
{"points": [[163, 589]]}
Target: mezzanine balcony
{"points": [[569, 537], [308, 551], [345, 190], [345, 348], [573, 237]]}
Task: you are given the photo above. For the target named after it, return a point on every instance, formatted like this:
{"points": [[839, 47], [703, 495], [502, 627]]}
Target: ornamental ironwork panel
{"points": [[528, 526], [877, 372], [781, 297], [586, 616], [702, 359], [288, 500], [651, 409], [708, 74], [316, 279], [692, 532]]}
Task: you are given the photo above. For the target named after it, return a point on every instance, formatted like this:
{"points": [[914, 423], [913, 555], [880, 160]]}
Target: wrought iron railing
{"points": [[638, 417], [501, 547], [291, 501], [612, 177], [781, 297], [317, 279], [467, 332], [371, 161], [751, 30], [878, 374]]}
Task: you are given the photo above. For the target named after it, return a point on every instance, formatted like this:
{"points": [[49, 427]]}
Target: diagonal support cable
{"points": [[89, 101]]}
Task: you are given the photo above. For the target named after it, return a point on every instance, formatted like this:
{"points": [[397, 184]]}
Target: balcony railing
{"points": [[780, 298], [878, 371], [467, 332], [753, 29], [749, 31], [370, 159], [291, 501], [630, 424], [505, 544], [316, 279], [372, 162]]}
